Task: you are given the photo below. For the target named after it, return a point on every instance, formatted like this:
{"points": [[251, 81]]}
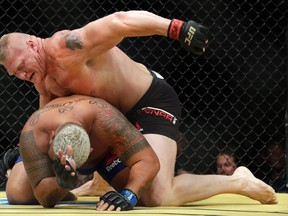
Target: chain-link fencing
{"points": [[233, 96]]}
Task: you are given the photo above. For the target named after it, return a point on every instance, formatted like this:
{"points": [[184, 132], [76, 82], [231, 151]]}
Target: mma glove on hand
{"points": [[126, 200], [192, 35], [64, 177]]}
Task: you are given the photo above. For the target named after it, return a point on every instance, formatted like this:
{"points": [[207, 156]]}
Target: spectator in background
{"points": [[275, 160], [226, 163]]}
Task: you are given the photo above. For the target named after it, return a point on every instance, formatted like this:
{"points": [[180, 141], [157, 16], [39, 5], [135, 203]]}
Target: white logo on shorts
{"points": [[111, 166]]}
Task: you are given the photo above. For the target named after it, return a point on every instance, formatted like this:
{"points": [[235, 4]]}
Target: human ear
{"points": [[31, 44]]}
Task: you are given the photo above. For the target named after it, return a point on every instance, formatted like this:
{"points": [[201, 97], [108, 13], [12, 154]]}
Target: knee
{"points": [[154, 198], [18, 188], [18, 195], [19, 200], [153, 201]]}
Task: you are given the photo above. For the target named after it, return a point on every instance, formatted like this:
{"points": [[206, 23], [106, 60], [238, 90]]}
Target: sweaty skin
{"points": [[107, 128], [62, 63]]}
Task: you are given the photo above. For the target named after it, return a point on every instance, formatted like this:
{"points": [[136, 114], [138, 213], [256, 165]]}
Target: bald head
{"points": [[14, 40], [3, 48]]}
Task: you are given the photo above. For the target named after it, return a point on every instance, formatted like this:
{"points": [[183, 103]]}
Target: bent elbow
{"points": [[48, 205]]}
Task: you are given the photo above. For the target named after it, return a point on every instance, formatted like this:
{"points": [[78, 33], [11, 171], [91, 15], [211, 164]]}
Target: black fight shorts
{"points": [[158, 111]]}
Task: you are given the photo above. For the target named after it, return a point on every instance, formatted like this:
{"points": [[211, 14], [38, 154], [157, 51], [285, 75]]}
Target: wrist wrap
{"points": [[174, 29], [129, 195], [64, 177], [62, 185]]}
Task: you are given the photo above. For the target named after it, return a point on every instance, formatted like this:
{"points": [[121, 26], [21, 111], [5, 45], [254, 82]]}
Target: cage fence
{"points": [[233, 96]]}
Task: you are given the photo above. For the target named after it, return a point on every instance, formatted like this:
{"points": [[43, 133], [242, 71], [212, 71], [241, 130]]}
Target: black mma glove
{"points": [[192, 35], [126, 200], [63, 177]]}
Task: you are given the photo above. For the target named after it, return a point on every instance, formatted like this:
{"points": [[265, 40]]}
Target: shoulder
{"points": [[65, 37], [34, 130], [56, 41], [35, 122], [60, 35]]}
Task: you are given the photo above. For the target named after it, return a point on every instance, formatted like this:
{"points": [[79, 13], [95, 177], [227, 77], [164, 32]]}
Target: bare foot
{"points": [[84, 190], [95, 187], [255, 188]]}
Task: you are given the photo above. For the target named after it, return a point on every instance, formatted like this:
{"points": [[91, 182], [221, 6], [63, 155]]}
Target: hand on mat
{"points": [[64, 169], [114, 200], [105, 206]]}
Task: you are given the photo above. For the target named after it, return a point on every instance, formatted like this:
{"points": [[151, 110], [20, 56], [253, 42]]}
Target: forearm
{"points": [[141, 23], [192, 35], [141, 176], [116, 26], [143, 163], [140, 180], [110, 31]]}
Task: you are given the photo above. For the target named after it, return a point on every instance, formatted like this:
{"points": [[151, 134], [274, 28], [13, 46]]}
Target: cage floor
{"points": [[226, 204]]}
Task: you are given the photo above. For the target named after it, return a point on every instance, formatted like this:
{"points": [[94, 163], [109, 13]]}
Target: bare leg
{"points": [[169, 190], [95, 187], [18, 188], [242, 182]]}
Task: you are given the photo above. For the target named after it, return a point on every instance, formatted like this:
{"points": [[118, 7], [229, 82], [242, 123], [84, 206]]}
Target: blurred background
{"points": [[233, 96]]}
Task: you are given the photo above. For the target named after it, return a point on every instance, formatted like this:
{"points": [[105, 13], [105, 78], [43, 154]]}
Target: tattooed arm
{"points": [[131, 146], [38, 167]]}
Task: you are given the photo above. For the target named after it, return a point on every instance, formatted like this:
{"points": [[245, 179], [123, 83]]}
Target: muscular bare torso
{"points": [[111, 75]]}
